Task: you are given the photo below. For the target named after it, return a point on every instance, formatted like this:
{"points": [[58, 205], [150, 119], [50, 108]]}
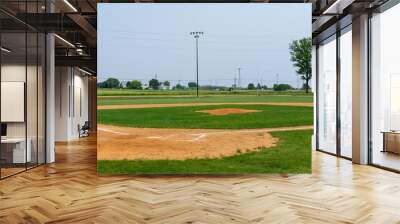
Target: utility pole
{"points": [[277, 79], [196, 36], [240, 84]]}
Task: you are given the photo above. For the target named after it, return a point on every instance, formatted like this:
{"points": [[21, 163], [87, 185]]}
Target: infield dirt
{"points": [[126, 143]]}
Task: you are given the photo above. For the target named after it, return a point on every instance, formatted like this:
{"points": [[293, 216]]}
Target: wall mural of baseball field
{"points": [[204, 88]]}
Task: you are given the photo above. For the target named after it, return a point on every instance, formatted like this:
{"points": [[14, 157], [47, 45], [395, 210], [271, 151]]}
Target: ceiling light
{"points": [[65, 41], [84, 71], [70, 5], [338, 6], [5, 50]]}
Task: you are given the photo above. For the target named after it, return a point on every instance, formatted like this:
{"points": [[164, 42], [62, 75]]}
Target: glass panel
{"points": [[13, 86], [385, 83], [327, 95], [31, 99], [41, 99], [32, 90], [23, 90], [346, 94]]}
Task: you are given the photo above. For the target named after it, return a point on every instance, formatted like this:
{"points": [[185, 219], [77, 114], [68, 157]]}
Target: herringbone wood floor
{"points": [[70, 191]]}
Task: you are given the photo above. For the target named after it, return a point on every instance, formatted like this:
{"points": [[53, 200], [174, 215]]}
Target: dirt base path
{"points": [[124, 143], [128, 106]]}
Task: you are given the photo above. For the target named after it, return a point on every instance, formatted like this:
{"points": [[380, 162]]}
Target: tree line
{"points": [[155, 84]]}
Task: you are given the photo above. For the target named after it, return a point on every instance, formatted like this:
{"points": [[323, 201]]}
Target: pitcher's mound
{"points": [[227, 111]]}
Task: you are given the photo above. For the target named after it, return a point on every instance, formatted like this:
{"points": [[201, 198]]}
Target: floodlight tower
{"points": [[196, 35], [240, 84]]}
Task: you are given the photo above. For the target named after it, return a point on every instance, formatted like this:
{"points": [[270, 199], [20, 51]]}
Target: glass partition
{"points": [[41, 85], [327, 95], [385, 89], [31, 98], [22, 88], [14, 153], [346, 93]]}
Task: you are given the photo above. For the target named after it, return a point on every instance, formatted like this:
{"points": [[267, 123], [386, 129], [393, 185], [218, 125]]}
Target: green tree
{"points": [[110, 83], [179, 86], [259, 86], [167, 84], [251, 86], [134, 84], [192, 85], [300, 55], [282, 87], [154, 84]]}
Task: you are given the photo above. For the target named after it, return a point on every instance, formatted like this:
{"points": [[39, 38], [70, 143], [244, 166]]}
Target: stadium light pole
{"points": [[240, 84], [196, 35]]}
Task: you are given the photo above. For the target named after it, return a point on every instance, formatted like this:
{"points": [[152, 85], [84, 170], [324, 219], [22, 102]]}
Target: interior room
{"points": [[48, 83], [22, 101], [385, 89], [71, 109], [48, 62]]}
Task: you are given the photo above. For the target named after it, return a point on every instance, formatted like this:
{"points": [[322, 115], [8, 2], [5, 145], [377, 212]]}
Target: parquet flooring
{"points": [[70, 191]]}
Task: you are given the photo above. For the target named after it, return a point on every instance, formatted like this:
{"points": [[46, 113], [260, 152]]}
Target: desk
{"points": [[391, 141], [19, 155]]}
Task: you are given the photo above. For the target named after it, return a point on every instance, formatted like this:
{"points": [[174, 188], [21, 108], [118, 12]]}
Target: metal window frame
{"points": [[340, 31], [44, 73], [381, 9], [386, 6]]}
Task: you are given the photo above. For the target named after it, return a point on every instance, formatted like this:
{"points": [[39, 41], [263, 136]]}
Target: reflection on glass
{"points": [[31, 100], [346, 94], [22, 92], [14, 150], [385, 91], [41, 98], [327, 96]]}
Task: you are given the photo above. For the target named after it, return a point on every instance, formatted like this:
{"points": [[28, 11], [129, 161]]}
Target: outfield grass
{"points": [[203, 99], [187, 117], [291, 155]]}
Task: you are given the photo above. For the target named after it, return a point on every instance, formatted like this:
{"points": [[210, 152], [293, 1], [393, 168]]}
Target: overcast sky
{"points": [[138, 41]]}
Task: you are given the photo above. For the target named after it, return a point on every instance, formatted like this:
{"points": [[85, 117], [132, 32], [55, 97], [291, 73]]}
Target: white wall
{"points": [[71, 102], [62, 82], [33, 126], [16, 73]]}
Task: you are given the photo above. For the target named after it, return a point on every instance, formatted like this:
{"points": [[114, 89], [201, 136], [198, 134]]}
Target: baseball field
{"points": [[174, 132]]}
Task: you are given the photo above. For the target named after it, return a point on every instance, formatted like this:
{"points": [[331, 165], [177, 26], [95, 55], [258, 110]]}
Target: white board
{"points": [[12, 101]]}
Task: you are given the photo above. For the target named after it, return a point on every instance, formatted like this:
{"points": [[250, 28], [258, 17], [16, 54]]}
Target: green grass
{"points": [[187, 117], [204, 99], [291, 155]]}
